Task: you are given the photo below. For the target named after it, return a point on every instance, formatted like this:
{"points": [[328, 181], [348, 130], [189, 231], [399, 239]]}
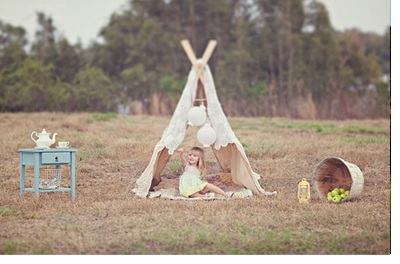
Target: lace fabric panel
{"points": [[175, 132], [218, 120]]}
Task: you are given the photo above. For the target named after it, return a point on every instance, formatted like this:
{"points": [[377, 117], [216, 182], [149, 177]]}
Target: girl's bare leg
{"points": [[213, 188]]}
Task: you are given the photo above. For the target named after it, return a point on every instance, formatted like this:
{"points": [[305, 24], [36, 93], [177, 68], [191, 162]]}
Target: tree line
{"points": [[273, 58]]}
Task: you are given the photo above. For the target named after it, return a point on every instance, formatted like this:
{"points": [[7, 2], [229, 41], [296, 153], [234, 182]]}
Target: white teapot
{"points": [[43, 139]]}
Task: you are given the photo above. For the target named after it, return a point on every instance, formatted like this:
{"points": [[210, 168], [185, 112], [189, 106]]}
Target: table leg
{"points": [[36, 175], [21, 178], [72, 175]]}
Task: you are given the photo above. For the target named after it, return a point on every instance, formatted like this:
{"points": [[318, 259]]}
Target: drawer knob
{"points": [[56, 158]]}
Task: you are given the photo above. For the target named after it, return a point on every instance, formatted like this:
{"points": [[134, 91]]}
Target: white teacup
{"points": [[63, 144]]}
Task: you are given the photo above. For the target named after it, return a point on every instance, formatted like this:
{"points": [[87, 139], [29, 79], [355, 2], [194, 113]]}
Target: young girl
{"points": [[192, 183]]}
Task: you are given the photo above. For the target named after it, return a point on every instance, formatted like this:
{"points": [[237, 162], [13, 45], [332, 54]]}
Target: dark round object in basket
{"points": [[337, 173]]}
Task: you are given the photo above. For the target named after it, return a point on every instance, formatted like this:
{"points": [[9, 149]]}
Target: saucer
{"points": [[62, 147], [41, 148]]}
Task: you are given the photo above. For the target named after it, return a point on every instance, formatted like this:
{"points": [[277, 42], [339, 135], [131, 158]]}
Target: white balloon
{"points": [[197, 115], [206, 135]]}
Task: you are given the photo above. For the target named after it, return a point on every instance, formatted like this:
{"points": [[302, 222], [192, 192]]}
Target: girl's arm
{"points": [[183, 160]]}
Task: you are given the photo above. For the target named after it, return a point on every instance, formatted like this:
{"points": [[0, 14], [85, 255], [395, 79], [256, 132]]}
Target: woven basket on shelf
{"points": [[337, 173]]}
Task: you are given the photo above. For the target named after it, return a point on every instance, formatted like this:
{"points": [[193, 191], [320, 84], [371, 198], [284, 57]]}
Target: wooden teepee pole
{"points": [[199, 64]]}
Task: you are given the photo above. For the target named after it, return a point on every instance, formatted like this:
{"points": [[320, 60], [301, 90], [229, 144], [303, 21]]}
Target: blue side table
{"points": [[40, 157]]}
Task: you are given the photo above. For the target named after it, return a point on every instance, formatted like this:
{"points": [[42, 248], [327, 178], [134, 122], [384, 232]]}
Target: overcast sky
{"points": [[82, 19], [75, 19], [367, 15]]}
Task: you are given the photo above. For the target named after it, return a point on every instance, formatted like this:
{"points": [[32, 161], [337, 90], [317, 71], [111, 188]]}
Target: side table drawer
{"points": [[55, 158]]}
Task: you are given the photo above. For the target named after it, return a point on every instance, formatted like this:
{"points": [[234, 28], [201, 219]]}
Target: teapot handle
{"points": [[34, 133]]}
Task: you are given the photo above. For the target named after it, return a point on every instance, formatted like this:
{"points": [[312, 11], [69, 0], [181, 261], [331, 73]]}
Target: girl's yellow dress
{"points": [[190, 181]]}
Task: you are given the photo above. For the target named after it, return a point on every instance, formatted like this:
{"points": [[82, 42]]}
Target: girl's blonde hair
{"points": [[199, 152]]}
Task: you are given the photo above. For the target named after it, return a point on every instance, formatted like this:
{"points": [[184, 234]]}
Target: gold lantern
{"points": [[303, 191]]}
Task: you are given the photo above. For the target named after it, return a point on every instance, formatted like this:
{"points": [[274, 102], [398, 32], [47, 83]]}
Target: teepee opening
{"points": [[200, 90]]}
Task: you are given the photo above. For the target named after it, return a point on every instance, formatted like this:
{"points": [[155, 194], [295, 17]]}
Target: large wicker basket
{"points": [[335, 172]]}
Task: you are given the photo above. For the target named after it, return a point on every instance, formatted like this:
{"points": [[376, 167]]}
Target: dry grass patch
{"points": [[106, 218]]}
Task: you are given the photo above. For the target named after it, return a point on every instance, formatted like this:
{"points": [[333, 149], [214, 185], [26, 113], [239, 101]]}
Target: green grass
{"points": [[8, 248], [13, 247], [327, 128], [365, 140], [101, 117], [5, 211], [247, 240], [175, 166], [362, 129], [317, 127]]}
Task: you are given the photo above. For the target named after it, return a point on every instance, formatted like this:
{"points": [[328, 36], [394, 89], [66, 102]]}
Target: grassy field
{"points": [[107, 218]]}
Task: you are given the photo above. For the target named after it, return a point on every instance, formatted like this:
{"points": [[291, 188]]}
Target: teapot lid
{"points": [[44, 131]]}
